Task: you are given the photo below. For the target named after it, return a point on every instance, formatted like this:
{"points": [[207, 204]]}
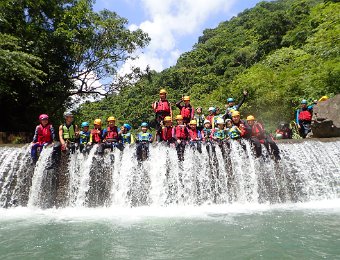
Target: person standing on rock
{"points": [[304, 119], [162, 108]]}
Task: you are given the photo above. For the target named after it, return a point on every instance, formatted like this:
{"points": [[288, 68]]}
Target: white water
{"points": [[308, 172]]}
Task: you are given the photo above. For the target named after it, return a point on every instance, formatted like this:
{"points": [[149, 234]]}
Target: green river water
{"points": [[300, 231]]}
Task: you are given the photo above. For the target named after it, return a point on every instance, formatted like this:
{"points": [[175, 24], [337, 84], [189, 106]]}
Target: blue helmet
{"points": [[84, 124], [304, 101], [127, 126], [230, 100], [144, 124]]}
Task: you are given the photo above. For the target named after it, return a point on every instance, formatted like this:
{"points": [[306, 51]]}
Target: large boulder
{"points": [[326, 118]]}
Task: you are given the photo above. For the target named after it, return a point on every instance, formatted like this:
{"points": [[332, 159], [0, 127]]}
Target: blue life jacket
{"points": [[84, 137], [144, 137], [126, 138]]}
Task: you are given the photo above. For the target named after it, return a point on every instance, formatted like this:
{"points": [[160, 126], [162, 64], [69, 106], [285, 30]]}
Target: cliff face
{"points": [[326, 118]]}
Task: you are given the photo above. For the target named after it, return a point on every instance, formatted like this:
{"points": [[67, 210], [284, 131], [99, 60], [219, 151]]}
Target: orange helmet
{"points": [[186, 98]]}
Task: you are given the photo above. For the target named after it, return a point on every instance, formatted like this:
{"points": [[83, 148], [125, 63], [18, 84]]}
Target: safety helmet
{"points": [[162, 91], [304, 101], [228, 120], [220, 121], [250, 118], [67, 114], [186, 98], [193, 122], [212, 109], [207, 122], [97, 121], [127, 126], [111, 118], [43, 116], [278, 136], [323, 98], [229, 100], [179, 117], [167, 118], [144, 124], [84, 124], [235, 113]]}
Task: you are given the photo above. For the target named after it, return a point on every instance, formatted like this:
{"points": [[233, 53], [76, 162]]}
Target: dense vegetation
{"points": [[51, 51], [280, 51]]}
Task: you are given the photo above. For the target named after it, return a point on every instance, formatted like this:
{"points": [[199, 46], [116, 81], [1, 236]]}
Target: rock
{"points": [[326, 118]]}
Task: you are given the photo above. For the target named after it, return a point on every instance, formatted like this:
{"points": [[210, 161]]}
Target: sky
{"points": [[173, 25]]}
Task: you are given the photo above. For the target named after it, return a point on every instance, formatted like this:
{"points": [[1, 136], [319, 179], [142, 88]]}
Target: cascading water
{"points": [[308, 171]]}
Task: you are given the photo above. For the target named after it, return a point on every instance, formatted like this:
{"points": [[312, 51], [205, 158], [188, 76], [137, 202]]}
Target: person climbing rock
{"points": [[303, 119], [195, 137], [125, 136], [84, 138], [43, 135], [165, 134], [110, 135], [199, 117], [180, 134], [144, 138], [258, 132], [68, 133], [230, 106], [283, 131], [187, 111], [162, 108]]}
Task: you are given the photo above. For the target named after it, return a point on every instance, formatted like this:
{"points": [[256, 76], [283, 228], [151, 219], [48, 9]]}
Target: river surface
{"points": [[250, 231]]}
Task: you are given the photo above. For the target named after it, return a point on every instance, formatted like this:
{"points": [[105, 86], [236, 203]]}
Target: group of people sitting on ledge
{"points": [[192, 129]]}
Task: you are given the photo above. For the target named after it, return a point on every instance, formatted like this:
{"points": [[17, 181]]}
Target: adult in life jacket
{"points": [[111, 137], [199, 117], [68, 133], [187, 111], [231, 106], [165, 134], [144, 138], [283, 131], [245, 133], [125, 136], [304, 119], [84, 138], [211, 116], [195, 136], [162, 108], [257, 131], [43, 136], [180, 134]]}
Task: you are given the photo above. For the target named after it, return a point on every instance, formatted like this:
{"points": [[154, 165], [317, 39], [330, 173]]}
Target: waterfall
{"points": [[308, 171]]}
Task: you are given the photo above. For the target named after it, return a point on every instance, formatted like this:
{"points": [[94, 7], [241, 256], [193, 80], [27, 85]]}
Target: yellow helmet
{"points": [[162, 91], [323, 98], [179, 117], [193, 122], [250, 118], [235, 113], [186, 98], [97, 121], [167, 118], [111, 118]]}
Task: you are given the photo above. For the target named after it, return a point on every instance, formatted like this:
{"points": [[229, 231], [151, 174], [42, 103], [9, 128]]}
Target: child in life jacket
{"points": [[206, 131], [187, 111], [195, 136], [165, 133], [180, 134], [43, 136], [283, 131], [125, 136], [68, 133], [144, 138], [111, 137], [84, 137], [234, 132], [199, 117], [220, 134]]}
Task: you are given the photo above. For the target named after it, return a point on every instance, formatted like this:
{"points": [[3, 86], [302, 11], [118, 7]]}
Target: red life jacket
{"points": [[163, 106], [44, 134], [180, 132], [210, 118], [193, 134], [166, 133], [112, 133], [96, 135], [257, 130], [186, 112], [305, 115]]}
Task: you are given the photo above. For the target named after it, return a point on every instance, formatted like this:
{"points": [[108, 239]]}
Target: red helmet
{"points": [[43, 116]]}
